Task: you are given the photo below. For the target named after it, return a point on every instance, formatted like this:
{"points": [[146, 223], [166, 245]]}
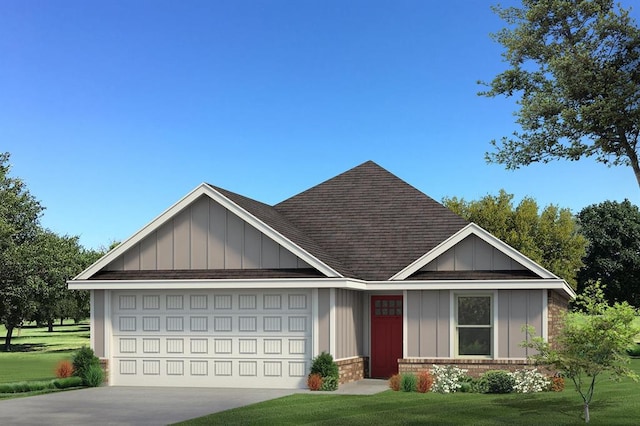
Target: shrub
{"points": [[499, 381], [394, 382], [634, 350], [529, 381], [94, 376], [83, 360], [69, 382], [446, 379], [408, 382], [425, 381], [64, 369], [324, 365], [557, 384], [314, 382]]}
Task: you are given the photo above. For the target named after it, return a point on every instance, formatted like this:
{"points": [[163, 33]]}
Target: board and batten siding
{"points": [[515, 309], [349, 330], [473, 254], [97, 326], [428, 321], [205, 235]]}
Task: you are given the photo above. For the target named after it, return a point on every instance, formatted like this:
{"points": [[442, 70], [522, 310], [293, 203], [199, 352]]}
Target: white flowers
{"points": [[446, 379], [529, 381]]}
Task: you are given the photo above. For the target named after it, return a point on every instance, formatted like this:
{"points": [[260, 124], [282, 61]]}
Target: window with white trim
{"points": [[474, 325]]}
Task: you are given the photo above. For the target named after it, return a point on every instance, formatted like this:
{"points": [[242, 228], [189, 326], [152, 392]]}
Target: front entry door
{"points": [[386, 335]]}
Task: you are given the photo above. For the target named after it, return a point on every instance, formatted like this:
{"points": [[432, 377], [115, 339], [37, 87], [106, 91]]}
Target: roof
{"points": [[371, 220]]}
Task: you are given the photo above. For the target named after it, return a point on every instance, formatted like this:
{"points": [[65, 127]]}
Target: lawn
{"points": [[613, 403], [35, 352]]}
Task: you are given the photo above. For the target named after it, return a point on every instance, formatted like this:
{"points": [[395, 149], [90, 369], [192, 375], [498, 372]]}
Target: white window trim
{"points": [[453, 347]]}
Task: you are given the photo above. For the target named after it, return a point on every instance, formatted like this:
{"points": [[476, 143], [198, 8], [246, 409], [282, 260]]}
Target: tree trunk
{"points": [[632, 155], [7, 339], [50, 325], [61, 321], [586, 413]]}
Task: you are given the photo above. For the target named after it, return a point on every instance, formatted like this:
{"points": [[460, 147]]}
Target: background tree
{"points": [[591, 342], [575, 68], [550, 238], [19, 223], [613, 254]]}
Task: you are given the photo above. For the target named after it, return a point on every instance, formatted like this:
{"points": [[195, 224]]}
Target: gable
{"points": [[205, 235]]}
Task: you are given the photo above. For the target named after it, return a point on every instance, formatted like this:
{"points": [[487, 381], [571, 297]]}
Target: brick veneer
{"points": [[352, 369], [475, 367], [104, 363], [557, 306]]}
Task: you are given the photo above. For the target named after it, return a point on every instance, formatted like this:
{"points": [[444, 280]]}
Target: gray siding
{"points": [[515, 309], [428, 322], [349, 307], [323, 319], [205, 235], [98, 322], [473, 254]]}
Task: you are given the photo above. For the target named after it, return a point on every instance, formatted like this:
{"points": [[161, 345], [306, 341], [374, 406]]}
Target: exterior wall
{"points": [[348, 311], [475, 367], [557, 306], [353, 369], [428, 323], [205, 235], [515, 309], [473, 254], [97, 326], [323, 320]]}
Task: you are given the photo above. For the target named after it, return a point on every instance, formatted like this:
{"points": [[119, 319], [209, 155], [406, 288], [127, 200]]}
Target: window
{"points": [[474, 325]]}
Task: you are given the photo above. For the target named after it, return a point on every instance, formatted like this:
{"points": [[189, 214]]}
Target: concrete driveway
{"points": [[128, 405]]}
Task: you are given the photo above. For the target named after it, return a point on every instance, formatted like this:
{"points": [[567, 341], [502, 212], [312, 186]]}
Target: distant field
{"points": [[35, 352]]}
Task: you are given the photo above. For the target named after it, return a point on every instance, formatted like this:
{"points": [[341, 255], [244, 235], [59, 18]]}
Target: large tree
{"points": [[613, 254], [575, 70], [549, 237], [19, 225]]}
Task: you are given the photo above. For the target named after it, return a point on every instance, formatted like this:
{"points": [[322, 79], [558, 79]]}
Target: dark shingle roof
{"points": [[372, 221]]}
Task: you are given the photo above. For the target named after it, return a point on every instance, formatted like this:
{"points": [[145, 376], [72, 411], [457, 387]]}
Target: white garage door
{"points": [[211, 338]]}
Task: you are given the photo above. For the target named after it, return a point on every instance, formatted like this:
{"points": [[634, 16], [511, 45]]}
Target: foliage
{"points": [[394, 382], [575, 67], [498, 381], [633, 350], [64, 369], [83, 360], [408, 382], [550, 238], [94, 376], [529, 381], [446, 378], [21, 387], [425, 381], [556, 383], [613, 254], [324, 365], [314, 382], [591, 342]]}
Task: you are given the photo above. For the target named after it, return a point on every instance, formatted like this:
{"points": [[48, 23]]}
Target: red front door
{"points": [[386, 335]]}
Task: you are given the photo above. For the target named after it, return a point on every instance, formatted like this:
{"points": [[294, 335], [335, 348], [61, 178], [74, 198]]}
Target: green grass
{"points": [[613, 403], [35, 352]]}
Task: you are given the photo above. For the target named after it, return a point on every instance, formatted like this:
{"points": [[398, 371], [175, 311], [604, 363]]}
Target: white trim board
{"points": [[473, 229], [204, 189]]}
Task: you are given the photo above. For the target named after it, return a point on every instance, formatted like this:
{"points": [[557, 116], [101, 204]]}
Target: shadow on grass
{"points": [[24, 347], [568, 406]]}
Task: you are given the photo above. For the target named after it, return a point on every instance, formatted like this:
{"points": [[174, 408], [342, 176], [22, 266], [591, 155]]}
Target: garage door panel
{"points": [[211, 338]]}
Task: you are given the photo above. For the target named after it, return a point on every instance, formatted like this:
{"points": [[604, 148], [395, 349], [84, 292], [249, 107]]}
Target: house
{"points": [[221, 290]]}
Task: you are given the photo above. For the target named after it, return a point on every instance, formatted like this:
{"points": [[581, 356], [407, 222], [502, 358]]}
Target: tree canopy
{"points": [[549, 237], [613, 254], [575, 70]]}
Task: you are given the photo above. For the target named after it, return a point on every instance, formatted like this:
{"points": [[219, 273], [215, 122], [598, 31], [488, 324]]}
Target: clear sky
{"points": [[113, 110]]}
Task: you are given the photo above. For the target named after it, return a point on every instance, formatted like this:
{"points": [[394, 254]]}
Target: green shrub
{"points": [[68, 382], [324, 365], [94, 376], [634, 350], [499, 381], [408, 382], [83, 360]]}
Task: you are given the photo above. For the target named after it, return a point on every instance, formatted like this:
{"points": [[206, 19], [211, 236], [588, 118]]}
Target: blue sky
{"points": [[113, 110]]}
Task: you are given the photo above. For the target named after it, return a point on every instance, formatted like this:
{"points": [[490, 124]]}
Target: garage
{"points": [[210, 338]]}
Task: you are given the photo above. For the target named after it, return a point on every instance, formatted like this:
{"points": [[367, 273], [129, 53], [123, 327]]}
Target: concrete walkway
{"points": [[119, 405]]}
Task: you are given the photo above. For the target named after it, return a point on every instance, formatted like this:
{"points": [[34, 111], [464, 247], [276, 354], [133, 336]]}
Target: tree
{"points": [[613, 254], [19, 223], [591, 342], [575, 66], [550, 238]]}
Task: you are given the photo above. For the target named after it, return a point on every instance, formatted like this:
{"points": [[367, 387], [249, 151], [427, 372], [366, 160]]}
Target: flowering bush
{"points": [[446, 379], [529, 381]]}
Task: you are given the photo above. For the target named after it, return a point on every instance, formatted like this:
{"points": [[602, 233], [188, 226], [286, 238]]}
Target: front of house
{"points": [[224, 291]]}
